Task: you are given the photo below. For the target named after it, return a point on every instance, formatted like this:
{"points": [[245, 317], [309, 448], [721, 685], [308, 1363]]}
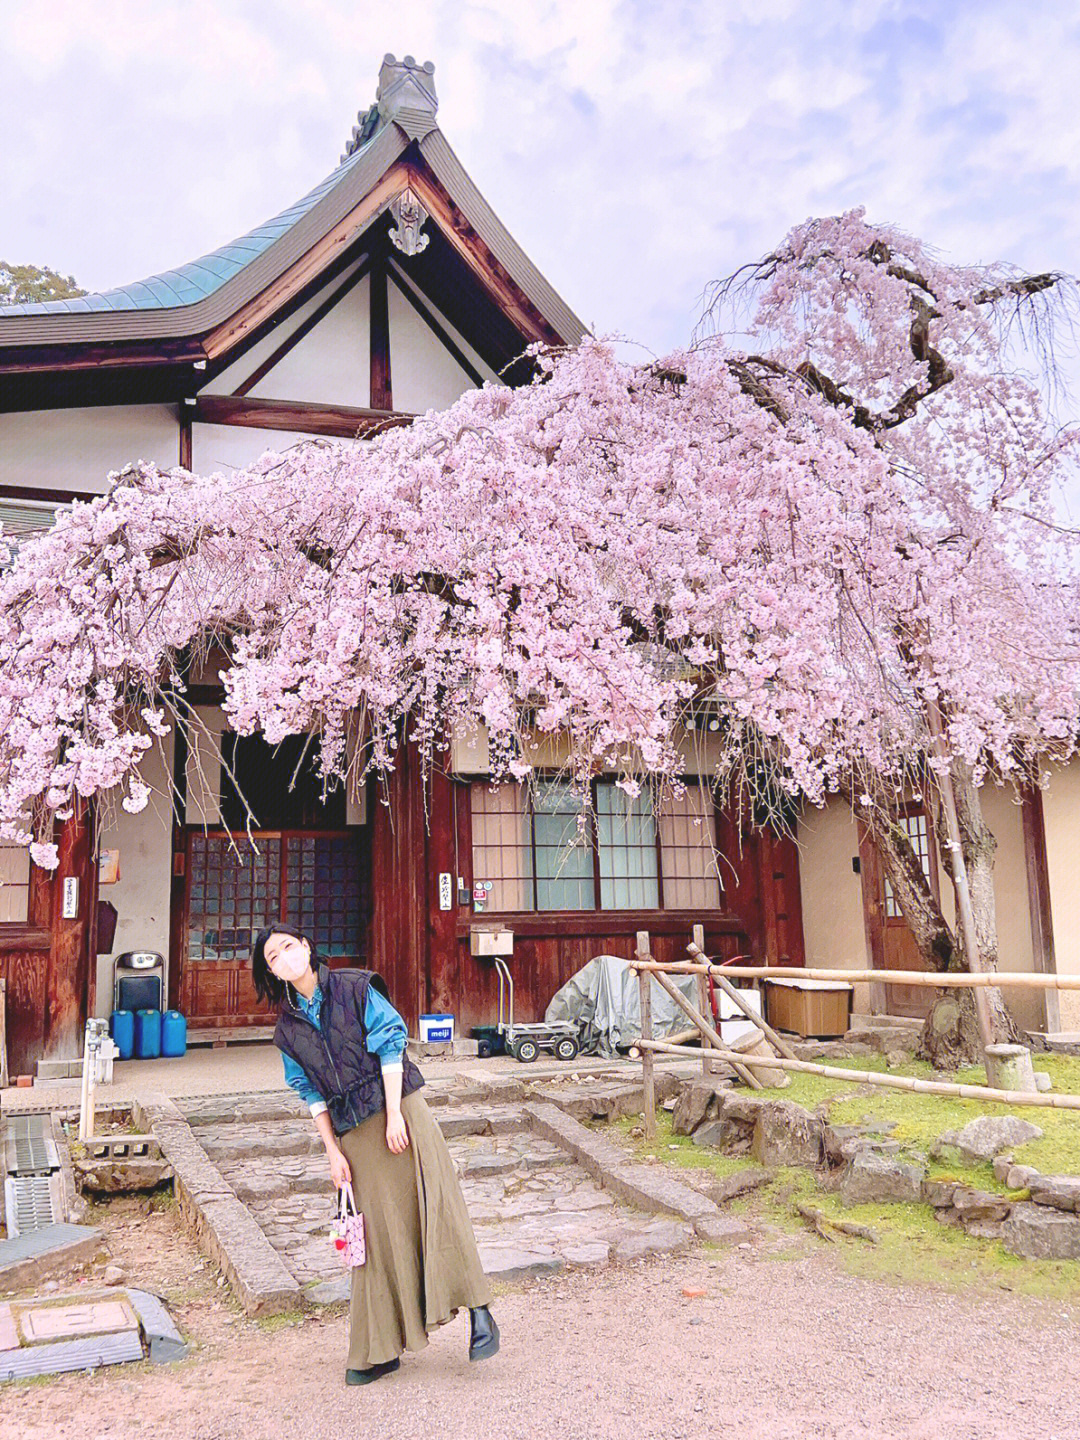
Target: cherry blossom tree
{"points": [[810, 539]]}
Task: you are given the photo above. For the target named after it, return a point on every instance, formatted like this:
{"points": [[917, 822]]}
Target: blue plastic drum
{"points": [[173, 1033], [147, 1034], [122, 1030]]}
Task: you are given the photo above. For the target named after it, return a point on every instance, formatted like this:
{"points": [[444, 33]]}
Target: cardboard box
{"points": [[817, 1008]]}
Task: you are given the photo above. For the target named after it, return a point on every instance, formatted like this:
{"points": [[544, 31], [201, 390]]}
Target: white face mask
{"points": [[292, 958]]}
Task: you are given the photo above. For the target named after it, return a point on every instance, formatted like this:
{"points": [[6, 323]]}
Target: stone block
{"points": [[836, 1137], [26, 1259], [1061, 1192], [588, 1255], [786, 1134], [661, 1238], [881, 1179], [1038, 1232], [461, 1122], [722, 1230], [692, 1107], [720, 1134], [329, 1292], [979, 1205], [741, 1183], [1019, 1177], [737, 1106], [938, 1194], [985, 1137], [504, 1262], [114, 1176]]}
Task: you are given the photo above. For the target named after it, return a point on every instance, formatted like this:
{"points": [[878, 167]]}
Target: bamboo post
{"points": [[949, 980], [708, 1065], [648, 1076], [738, 1064], [736, 999], [900, 1082], [959, 871]]}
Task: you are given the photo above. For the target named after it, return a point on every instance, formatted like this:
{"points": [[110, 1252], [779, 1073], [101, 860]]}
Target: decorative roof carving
{"points": [[406, 85], [409, 216]]}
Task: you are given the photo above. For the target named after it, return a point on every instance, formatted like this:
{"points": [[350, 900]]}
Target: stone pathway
{"points": [[534, 1210]]}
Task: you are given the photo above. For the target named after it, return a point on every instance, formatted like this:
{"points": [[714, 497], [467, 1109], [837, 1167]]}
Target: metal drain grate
{"points": [[28, 1204], [30, 1150]]}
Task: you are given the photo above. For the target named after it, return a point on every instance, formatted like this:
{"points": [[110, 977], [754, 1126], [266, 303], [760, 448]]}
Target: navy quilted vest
{"points": [[334, 1054]]}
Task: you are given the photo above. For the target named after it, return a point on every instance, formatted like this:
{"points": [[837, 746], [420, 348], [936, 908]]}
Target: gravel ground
{"points": [[774, 1350]]}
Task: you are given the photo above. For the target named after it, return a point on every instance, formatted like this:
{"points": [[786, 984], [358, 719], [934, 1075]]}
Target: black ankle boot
{"points": [[483, 1334], [373, 1372]]}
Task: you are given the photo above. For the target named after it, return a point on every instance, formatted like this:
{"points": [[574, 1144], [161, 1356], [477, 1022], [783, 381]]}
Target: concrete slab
{"points": [[45, 1323], [67, 1355], [30, 1257]]}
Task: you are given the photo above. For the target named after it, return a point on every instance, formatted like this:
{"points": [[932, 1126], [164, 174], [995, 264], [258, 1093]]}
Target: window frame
{"points": [[709, 811]]}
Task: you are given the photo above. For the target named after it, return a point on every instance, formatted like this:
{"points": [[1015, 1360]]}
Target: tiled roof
{"points": [[200, 278]]}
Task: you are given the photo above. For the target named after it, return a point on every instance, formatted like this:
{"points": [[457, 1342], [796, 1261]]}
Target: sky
{"points": [[635, 150]]}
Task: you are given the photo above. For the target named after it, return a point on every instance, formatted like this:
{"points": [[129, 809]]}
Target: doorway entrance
{"points": [[892, 945]]}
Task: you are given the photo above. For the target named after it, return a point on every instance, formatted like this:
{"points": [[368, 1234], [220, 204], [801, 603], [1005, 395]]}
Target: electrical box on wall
{"points": [[488, 943]]}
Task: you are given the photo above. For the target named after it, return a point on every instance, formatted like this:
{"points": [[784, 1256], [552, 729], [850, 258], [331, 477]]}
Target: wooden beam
{"points": [[310, 264], [103, 355], [347, 422], [303, 329], [439, 331], [510, 297], [1038, 883], [54, 497], [382, 392], [185, 436]]}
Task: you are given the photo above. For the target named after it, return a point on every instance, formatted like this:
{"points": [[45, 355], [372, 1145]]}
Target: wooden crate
{"points": [[817, 1008]]}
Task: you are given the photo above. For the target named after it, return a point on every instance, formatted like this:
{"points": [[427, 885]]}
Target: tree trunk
{"points": [[950, 1036]]}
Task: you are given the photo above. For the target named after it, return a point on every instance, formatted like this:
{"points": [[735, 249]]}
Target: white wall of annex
{"points": [[142, 895], [423, 374], [221, 449], [76, 449], [331, 365]]}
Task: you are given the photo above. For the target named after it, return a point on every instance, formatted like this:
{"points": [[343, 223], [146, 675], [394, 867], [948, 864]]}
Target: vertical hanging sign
{"points": [[446, 891], [70, 909]]}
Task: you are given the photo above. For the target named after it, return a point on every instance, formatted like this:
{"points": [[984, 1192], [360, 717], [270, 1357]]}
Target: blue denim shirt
{"points": [[386, 1037]]}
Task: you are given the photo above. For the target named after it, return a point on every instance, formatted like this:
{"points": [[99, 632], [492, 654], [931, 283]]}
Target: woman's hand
{"points": [[340, 1173], [397, 1136]]}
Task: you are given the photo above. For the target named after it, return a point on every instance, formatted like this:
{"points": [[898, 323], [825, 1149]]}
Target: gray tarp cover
{"points": [[603, 999]]}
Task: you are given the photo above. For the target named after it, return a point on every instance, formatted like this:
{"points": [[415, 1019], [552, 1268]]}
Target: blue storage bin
{"points": [[122, 1030], [147, 1034], [173, 1033]]}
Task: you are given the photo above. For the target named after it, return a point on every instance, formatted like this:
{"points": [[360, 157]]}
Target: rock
{"points": [[938, 1194], [720, 1134], [697, 1101], [505, 1262], [113, 1275], [786, 1134], [984, 1229], [983, 1138], [1019, 1177], [741, 1183], [119, 1177], [1037, 1232], [478, 1165], [1043, 1081], [721, 1230], [856, 1144], [659, 1238], [1001, 1166], [836, 1135], [589, 1255], [881, 1179], [978, 1205], [330, 1292], [741, 1107], [895, 1058], [1061, 1192]]}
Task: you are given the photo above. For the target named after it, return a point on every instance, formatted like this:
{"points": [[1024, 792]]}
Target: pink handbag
{"points": [[348, 1233]]}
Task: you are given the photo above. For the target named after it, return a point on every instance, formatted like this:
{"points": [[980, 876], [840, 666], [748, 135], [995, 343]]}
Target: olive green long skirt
{"points": [[422, 1265]]}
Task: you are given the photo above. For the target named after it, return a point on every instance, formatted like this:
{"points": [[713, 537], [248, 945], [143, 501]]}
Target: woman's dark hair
{"points": [[271, 990]]}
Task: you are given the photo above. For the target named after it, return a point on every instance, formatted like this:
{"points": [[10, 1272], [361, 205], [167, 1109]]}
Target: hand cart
{"points": [[525, 1042]]}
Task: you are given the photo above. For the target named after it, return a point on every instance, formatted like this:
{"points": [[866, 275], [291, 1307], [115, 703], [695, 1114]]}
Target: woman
{"points": [[343, 1047]]}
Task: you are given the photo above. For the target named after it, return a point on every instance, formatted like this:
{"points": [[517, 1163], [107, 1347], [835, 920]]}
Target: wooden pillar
{"points": [[69, 983], [647, 1058], [1038, 883], [382, 395]]}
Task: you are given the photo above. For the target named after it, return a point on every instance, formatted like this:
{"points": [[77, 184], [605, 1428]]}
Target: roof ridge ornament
{"points": [[406, 85], [409, 216]]}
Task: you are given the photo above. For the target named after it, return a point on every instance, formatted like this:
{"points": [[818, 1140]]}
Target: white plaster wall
{"points": [[423, 374], [204, 766], [1061, 809], [76, 449], [142, 895], [220, 449], [400, 276], [833, 924], [227, 382], [332, 364], [1002, 813]]}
